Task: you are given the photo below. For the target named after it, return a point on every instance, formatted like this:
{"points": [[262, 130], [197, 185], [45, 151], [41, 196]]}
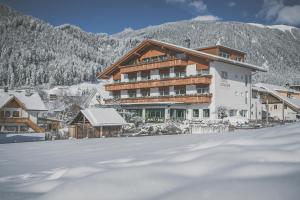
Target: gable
{"points": [[13, 103]]}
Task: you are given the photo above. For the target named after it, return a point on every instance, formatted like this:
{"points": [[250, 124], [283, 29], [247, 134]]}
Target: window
{"points": [[145, 92], [180, 72], [155, 58], [164, 73], [180, 89], [116, 94], [155, 115], [202, 89], [16, 113], [162, 57], [132, 77], [147, 60], [224, 75], [11, 128], [285, 106], [205, 113], [136, 112], [275, 107], [131, 93], [180, 55], [232, 112], [177, 113], [164, 91], [238, 58], [145, 75], [243, 113], [7, 114], [196, 113], [224, 54], [246, 80]]}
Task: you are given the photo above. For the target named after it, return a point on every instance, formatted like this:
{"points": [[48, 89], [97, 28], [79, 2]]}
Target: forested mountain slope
{"points": [[33, 52]]}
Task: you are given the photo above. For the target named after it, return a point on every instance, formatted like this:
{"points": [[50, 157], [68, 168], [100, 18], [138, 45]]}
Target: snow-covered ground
{"points": [[247, 164]]}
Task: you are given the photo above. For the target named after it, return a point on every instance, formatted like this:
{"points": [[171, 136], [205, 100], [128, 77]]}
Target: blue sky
{"points": [[112, 16]]}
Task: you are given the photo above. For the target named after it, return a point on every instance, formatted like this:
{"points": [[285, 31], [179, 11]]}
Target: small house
{"points": [[96, 122], [20, 111]]}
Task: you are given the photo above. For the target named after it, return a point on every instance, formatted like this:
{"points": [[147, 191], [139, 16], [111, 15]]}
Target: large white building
{"points": [[160, 81]]}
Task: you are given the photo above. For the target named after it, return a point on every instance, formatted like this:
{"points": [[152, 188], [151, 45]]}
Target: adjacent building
{"points": [[96, 122], [276, 102], [160, 81], [20, 111]]}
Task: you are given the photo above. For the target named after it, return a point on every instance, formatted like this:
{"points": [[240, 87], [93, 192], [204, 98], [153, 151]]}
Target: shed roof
{"points": [[103, 117]]}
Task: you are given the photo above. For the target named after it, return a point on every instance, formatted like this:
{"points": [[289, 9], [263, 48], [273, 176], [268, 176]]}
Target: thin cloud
{"points": [[276, 11], [197, 5], [231, 4], [206, 18]]}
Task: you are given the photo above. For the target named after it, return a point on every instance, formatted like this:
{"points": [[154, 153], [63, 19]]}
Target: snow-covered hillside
{"points": [[253, 164], [33, 52]]}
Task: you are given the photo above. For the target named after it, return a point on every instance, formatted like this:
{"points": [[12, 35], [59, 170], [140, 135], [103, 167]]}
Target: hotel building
{"points": [[160, 81]]}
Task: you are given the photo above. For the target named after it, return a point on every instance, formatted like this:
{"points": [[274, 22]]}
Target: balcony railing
{"points": [[188, 80], [191, 98], [153, 65]]}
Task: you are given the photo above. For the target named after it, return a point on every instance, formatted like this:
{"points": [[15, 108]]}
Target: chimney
{"points": [[5, 89], [188, 43]]}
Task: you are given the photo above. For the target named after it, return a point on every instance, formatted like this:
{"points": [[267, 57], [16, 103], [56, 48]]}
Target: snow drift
{"points": [[252, 164]]}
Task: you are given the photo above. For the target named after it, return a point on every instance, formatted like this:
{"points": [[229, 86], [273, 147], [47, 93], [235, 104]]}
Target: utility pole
{"points": [[283, 112], [267, 118]]}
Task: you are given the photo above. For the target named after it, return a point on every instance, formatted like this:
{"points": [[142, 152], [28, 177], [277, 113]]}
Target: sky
{"points": [[113, 16]]}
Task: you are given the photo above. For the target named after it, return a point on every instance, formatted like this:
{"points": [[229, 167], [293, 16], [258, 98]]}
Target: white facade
{"points": [[232, 92]]}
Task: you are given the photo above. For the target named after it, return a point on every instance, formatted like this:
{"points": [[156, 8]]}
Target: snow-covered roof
{"points": [[214, 57], [273, 90], [108, 70], [31, 102], [103, 117], [275, 87]]}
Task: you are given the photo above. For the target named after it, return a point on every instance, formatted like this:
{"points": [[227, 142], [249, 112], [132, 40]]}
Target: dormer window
{"points": [[238, 59], [224, 54]]}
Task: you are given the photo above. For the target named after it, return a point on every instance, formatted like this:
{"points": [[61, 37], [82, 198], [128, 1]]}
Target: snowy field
{"points": [[248, 164]]}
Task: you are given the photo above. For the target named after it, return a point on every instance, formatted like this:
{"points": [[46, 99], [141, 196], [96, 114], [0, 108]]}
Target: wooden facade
{"points": [[176, 99], [18, 116], [205, 80], [81, 127]]}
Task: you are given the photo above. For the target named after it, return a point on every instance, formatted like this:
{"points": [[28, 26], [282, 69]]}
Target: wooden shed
{"points": [[96, 123]]}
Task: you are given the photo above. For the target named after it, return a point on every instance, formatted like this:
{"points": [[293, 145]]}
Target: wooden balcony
{"points": [[22, 120], [190, 80], [153, 65], [195, 98]]}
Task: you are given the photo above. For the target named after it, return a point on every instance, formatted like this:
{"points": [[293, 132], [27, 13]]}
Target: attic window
{"points": [[224, 54]]}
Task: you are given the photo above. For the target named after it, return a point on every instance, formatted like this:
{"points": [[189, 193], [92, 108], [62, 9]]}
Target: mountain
{"points": [[34, 52]]}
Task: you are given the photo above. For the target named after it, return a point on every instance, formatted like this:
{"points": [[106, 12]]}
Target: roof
{"points": [[222, 46], [276, 87], [178, 48], [32, 102], [272, 89], [103, 117]]}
